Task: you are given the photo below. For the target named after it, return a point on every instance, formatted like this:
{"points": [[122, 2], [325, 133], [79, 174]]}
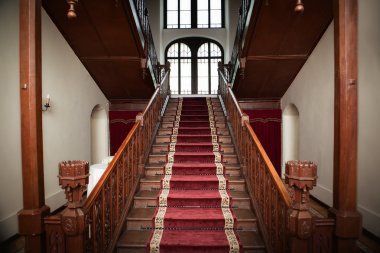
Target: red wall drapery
{"points": [[120, 122], [267, 126]]}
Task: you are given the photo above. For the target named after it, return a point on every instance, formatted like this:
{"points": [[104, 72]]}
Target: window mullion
{"points": [[194, 14], [209, 15]]}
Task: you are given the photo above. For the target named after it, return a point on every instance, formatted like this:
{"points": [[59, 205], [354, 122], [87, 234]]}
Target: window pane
{"points": [[202, 5], [215, 50], [202, 19], [216, 18], [173, 75], [173, 50], [185, 5], [172, 5], [172, 19], [185, 76], [185, 50], [203, 50], [214, 75], [216, 4], [185, 19], [203, 76]]}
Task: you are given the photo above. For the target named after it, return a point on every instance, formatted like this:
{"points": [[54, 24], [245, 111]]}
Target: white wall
{"points": [[99, 134], [163, 37], [313, 93], [66, 125], [290, 136]]}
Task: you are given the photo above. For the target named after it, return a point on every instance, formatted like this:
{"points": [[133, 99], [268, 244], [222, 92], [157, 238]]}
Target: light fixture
{"points": [[71, 12], [299, 7], [46, 105]]}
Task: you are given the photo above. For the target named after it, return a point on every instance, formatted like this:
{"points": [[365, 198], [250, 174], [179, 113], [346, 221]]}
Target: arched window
{"points": [[194, 14], [209, 54], [194, 65], [179, 56]]}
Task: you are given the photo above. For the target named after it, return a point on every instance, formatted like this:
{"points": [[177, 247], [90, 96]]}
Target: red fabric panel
{"points": [[267, 126], [121, 122]]}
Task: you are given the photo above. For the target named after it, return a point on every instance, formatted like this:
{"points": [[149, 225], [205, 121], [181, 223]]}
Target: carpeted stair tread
{"points": [[193, 154], [154, 194], [195, 238], [140, 238], [194, 182], [194, 198], [148, 213], [187, 178], [194, 218]]}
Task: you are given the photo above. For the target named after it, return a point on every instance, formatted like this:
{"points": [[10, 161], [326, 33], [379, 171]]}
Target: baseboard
{"points": [[371, 220], [323, 194], [9, 225]]}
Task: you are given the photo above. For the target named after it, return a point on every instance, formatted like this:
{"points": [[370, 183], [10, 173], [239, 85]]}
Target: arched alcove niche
{"points": [[290, 135], [99, 134]]}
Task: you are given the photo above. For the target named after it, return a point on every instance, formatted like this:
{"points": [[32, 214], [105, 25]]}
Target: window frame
{"points": [[194, 43], [194, 15]]}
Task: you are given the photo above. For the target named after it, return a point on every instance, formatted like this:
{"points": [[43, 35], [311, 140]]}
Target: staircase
{"points": [[189, 154]]}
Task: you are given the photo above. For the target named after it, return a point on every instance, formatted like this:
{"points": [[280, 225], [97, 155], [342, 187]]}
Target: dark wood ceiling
{"points": [[278, 43], [105, 38]]}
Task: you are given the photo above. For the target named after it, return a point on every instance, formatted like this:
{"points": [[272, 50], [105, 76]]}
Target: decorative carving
{"points": [[301, 176], [73, 177]]}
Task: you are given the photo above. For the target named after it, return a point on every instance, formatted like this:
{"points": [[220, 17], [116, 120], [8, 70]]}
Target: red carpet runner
{"points": [[194, 205]]}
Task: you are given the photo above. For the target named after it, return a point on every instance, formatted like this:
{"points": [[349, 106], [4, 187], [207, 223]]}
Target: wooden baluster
{"points": [[73, 178], [301, 176]]}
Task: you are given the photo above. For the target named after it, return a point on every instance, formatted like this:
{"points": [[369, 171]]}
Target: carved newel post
{"points": [[73, 178], [301, 176]]}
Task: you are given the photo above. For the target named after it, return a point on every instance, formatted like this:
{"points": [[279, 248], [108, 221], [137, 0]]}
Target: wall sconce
{"points": [[47, 103]]}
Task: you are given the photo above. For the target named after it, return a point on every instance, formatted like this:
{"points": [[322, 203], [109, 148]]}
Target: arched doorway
{"points": [[99, 134], [194, 65], [290, 135]]}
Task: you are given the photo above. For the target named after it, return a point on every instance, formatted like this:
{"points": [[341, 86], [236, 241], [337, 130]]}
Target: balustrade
{"points": [[285, 220], [94, 224]]}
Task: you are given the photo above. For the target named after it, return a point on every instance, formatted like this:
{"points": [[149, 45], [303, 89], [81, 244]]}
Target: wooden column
{"points": [[34, 208], [348, 220]]}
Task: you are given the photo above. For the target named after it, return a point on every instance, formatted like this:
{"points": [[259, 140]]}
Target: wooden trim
{"points": [[277, 57], [348, 219], [34, 208]]}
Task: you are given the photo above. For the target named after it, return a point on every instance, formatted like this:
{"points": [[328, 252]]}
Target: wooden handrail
{"points": [[236, 103], [269, 195], [95, 224], [285, 220], [268, 163], [95, 192]]}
